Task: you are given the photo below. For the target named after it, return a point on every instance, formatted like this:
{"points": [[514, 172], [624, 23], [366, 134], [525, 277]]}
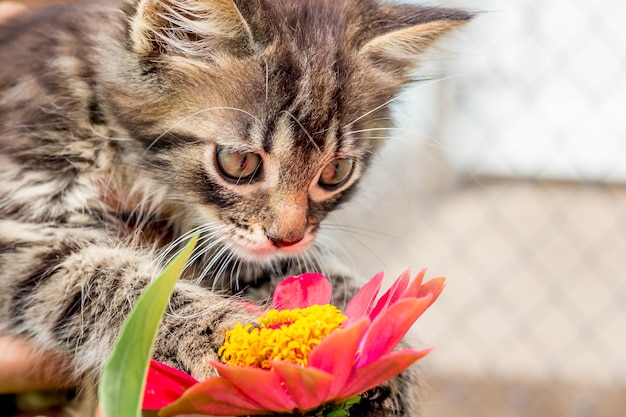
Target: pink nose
{"points": [[285, 243]]}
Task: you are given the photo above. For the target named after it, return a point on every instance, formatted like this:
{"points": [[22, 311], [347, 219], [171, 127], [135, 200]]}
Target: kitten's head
{"points": [[258, 112]]}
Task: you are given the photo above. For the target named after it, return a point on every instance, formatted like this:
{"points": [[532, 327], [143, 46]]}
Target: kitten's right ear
{"points": [[400, 34], [188, 27]]}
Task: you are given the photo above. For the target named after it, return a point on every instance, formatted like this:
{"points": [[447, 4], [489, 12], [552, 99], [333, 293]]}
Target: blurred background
{"points": [[506, 175]]}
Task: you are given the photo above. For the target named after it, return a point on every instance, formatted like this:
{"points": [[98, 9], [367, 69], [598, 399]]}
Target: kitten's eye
{"points": [[336, 173], [237, 165]]}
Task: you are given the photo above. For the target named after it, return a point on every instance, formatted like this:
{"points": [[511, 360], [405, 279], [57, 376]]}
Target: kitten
{"points": [[128, 126]]}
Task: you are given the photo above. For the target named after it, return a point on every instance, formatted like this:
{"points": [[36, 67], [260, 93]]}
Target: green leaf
{"points": [[124, 376]]}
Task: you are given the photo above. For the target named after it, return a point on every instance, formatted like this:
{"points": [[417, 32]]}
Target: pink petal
{"points": [[392, 294], [363, 302], [413, 289], [434, 287], [417, 290], [215, 397], [164, 385], [308, 386], [336, 354], [389, 328], [262, 386], [302, 291], [383, 369]]}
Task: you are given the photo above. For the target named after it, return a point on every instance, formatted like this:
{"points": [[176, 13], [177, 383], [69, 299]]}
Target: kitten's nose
{"points": [[285, 243]]}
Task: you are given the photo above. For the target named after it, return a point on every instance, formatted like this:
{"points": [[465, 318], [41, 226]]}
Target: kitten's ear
{"points": [[188, 27], [402, 33]]}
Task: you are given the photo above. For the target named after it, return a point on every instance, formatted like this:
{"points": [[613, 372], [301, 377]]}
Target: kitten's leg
{"points": [[69, 289]]}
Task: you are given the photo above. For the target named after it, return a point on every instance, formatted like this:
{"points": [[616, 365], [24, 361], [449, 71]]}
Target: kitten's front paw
{"points": [[189, 342]]}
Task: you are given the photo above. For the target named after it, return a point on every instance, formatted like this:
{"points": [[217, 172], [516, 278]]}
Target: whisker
{"points": [[309, 264], [376, 129], [176, 246], [224, 265], [205, 243], [325, 254], [424, 83], [364, 115], [164, 257], [328, 253], [236, 270], [395, 137], [215, 258], [364, 232], [298, 260], [363, 245]]}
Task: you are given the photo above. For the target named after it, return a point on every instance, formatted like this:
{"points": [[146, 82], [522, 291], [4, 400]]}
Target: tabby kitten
{"points": [[127, 126]]}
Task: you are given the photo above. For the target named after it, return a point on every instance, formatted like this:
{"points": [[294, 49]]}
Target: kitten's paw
{"points": [[191, 342]]}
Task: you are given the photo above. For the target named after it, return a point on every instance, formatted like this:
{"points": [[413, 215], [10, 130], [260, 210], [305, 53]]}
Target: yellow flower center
{"points": [[287, 335]]}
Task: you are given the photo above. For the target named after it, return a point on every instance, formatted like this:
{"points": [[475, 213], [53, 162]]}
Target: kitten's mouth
{"points": [[271, 248]]}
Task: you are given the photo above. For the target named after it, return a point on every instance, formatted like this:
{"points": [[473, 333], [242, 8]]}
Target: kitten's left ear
{"points": [[402, 33], [188, 27]]}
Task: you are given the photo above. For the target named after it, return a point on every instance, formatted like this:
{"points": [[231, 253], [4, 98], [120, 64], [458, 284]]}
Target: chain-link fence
{"points": [[515, 191]]}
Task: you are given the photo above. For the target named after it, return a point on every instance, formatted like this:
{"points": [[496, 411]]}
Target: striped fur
{"points": [[112, 114]]}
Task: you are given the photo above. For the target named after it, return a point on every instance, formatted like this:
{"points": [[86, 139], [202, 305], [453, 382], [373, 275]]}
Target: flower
{"points": [[164, 385], [306, 354]]}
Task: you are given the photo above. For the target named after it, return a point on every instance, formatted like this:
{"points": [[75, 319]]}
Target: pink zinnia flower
{"points": [[330, 367]]}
